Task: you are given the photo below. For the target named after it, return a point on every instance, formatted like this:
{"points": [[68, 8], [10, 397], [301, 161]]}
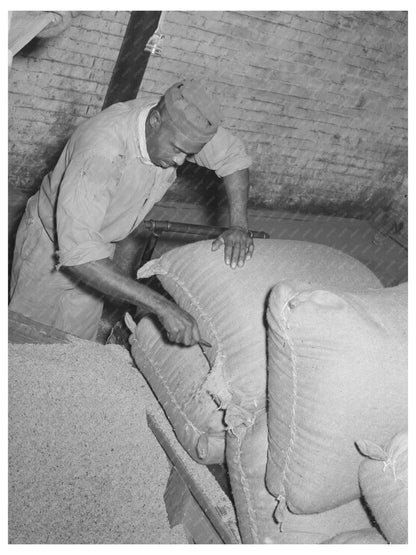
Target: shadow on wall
{"points": [[200, 186], [24, 179], [23, 186], [372, 206]]}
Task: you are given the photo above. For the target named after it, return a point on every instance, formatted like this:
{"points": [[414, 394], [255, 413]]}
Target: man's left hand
{"points": [[238, 246]]}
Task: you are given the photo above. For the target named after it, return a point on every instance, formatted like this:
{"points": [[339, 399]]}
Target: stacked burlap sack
{"points": [[217, 400], [337, 389]]}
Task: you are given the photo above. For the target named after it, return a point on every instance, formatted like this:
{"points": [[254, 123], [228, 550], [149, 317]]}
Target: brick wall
{"points": [[319, 98], [54, 84]]}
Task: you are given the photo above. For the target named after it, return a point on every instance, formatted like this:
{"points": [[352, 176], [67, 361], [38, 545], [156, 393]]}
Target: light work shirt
{"points": [[104, 183], [100, 190]]}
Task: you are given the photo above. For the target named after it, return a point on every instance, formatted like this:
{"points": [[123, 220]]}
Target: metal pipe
{"points": [[158, 226]]}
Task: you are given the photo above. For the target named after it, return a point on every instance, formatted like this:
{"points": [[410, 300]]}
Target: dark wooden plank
{"points": [[183, 509], [132, 59], [215, 505], [197, 526], [25, 330], [176, 497]]}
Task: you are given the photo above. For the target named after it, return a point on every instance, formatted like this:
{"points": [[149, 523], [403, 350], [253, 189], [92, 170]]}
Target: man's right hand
{"points": [[105, 277], [180, 326]]}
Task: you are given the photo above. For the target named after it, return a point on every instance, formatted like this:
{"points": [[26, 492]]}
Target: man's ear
{"points": [[155, 119]]}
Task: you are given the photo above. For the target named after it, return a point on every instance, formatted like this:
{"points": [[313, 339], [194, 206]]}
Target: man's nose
{"points": [[179, 159]]}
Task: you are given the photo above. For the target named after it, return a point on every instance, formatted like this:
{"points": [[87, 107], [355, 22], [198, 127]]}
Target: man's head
{"points": [[183, 121]]}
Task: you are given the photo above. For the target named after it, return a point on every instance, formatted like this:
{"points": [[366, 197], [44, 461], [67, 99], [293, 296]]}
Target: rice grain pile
{"points": [[83, 465]]}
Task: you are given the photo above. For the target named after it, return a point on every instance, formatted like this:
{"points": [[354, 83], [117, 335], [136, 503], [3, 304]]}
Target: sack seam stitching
{"points": [[243, 480], [166, 386], [292, 426]]}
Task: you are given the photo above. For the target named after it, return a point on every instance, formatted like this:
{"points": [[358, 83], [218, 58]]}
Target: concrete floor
{"points": [[84, 468]]}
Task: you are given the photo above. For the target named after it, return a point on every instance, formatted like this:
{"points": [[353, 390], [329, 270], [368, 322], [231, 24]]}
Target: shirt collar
{"points": [[141, 123]]}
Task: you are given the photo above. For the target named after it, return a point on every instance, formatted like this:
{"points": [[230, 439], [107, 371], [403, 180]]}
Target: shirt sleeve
{"points": [[224, 153], [84, 196]]}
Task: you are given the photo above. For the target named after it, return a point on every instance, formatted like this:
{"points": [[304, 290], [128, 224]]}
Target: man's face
{"points": [[166, 146]]}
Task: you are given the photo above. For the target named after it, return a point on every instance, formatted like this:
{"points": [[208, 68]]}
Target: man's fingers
{"points": [[196, 336], [173, 336], [192, 335], [250, 250], [235, 257], [228, 252], [219, 241], [238, 247], [242, 251], [242, 257], [183, 329]]}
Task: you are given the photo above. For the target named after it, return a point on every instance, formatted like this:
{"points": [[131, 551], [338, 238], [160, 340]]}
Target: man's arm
{"points": [[104, 276], [226, 155], [238, 245]]}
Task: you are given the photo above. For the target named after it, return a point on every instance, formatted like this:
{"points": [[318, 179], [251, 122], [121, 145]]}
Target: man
{"points": [[112, 171]]}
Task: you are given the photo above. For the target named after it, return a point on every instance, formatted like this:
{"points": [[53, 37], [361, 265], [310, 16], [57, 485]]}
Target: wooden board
{"points": [[24, 26], [24, 330], [193, 496], [182, 508]]}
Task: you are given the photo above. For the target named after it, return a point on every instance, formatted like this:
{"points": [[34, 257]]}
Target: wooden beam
{"points": [[183, 509], [26, 330], [24, 26], [216, 507], [132, 59]]}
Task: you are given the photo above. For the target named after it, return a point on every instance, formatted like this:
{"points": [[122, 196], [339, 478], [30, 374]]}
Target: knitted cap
{"points": [[192, 110]]}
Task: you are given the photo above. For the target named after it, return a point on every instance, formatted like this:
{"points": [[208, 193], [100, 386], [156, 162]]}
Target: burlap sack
{"points": [[337, 373], [229, 306]]}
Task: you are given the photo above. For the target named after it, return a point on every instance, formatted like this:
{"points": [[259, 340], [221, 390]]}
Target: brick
{"points": [[320, 98], [197, 19]]}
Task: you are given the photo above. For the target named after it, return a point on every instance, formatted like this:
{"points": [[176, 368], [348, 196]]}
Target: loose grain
{"points": [[83, 465]]}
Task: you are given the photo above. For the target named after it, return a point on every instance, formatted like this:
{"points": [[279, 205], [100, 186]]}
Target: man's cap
{"points": [[193, 111]]}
